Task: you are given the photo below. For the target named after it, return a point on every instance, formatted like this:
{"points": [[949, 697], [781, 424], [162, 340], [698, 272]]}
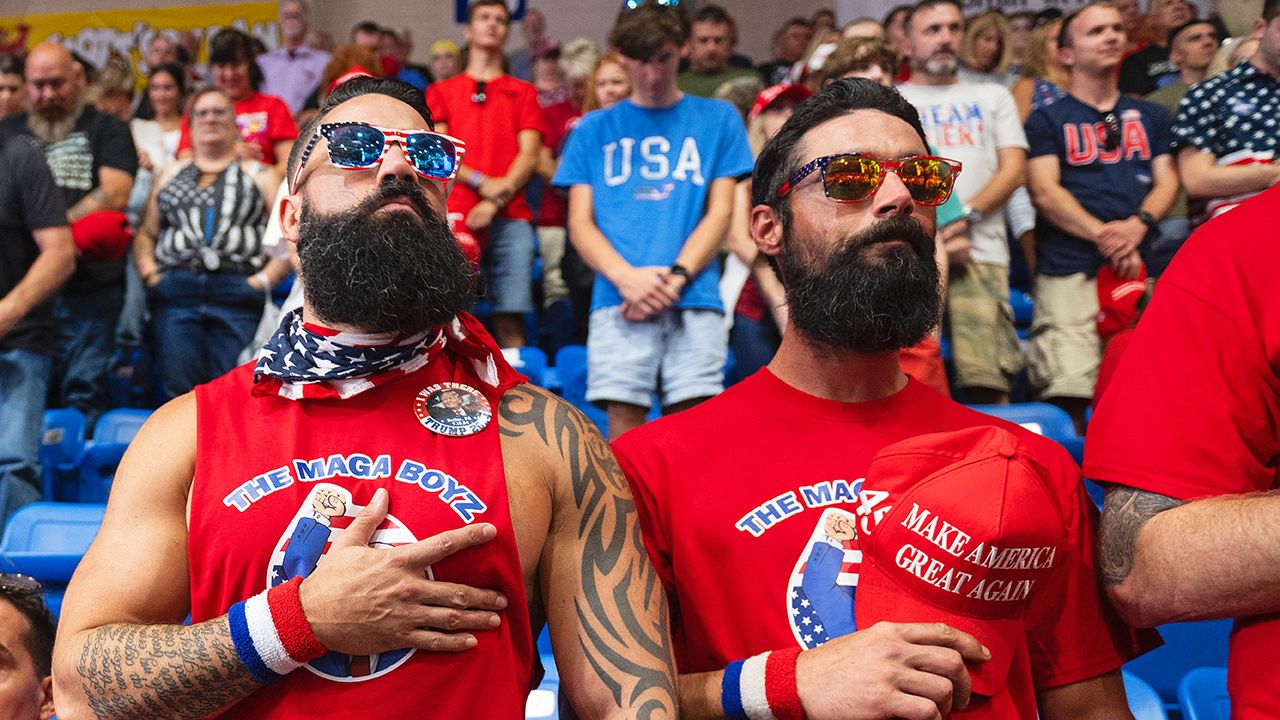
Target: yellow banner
{"points": [[95, 33]]}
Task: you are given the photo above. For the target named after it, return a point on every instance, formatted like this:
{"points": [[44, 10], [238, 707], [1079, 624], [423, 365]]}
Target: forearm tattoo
{"points": [[1124, 512], [622, 609], [162, 671]]}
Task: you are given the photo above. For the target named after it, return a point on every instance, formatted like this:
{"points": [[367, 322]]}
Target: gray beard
{"points": [[54, 130], [941, 65]]}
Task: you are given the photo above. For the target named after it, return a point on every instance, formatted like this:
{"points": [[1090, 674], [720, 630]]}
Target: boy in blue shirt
{"points": [[650, 195]]}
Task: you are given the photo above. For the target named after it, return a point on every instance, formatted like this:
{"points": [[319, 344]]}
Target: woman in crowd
{"points": [[157, 140], [13, 84], [199, 249], [446, 59], [266, 125], [609, 84], [985, 50], [1044, 77]]}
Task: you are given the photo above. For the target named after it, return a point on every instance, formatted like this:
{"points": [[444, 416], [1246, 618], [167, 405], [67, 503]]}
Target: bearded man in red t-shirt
{"points": [[750, 502]]}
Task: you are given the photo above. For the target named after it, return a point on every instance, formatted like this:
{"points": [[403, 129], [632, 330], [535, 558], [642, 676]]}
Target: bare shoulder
{"points": [[550, 434], [161, 458]]}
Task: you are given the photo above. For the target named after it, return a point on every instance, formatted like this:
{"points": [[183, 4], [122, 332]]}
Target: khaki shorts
{"points": [[551, 242], [985, 347], [1064, 350]]}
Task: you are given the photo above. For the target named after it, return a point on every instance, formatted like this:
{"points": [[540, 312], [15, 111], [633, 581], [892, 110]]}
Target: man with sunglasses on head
{"points": [[977, 124], [749, 502], [1101, 177], [500, 118], [343, 547]]}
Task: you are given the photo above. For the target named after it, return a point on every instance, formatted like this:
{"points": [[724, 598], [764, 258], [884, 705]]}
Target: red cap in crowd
{"points": [[102, 235], [1118, 300], [770, 95], [967, 532]]}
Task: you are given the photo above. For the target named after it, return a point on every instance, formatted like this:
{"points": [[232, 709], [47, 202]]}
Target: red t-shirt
{"points": [[489, 129], [1192, 409], [733, 497], [264, 120], [557, 121]]}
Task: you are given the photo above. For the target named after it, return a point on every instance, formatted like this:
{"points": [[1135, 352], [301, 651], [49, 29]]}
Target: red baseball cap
{"points": [[960, 528], [772, 94], [1118, 300], [102, 235]]}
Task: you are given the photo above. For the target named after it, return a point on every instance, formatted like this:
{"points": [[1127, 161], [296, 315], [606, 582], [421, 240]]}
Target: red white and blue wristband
{"points": [[271, 635], [762, 687]]}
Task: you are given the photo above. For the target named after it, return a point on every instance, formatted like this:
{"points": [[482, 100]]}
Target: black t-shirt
{"points": [[29, 201], [97, 141], [1146, 71]]}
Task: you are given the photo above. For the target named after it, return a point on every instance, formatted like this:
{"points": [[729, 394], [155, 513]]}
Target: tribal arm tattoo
{"points": [[162, 671], [1124, 513], [623, 625]]}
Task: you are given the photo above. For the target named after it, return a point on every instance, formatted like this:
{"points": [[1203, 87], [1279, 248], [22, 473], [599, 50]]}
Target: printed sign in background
{"points": [[95, 33]]}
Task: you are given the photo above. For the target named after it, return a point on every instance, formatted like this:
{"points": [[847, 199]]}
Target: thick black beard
{"points": [[398, 271], [863, 297]]}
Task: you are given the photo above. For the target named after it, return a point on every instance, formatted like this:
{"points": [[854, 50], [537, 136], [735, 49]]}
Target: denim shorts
{"points": [[681, 353], [509, 255]]}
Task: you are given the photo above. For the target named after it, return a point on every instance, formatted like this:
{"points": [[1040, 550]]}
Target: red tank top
{"points": [[276, 479]]}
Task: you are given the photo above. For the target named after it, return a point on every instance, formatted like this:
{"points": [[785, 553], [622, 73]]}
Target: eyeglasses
{"points": [[358, 145], [213, 113], [481, 94], [1111, 136], [851, 177]]}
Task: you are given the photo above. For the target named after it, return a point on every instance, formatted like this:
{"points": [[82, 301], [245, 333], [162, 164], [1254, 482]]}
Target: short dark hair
{"points": [[1064, 32], [929, 4], [712, 14], [11, 65], [477, 4], [41, 624], [231, 46], [353, 88], [1270, 9], [777, 161], [888, 18], [368, 27], [1174, 33], [642, 32]]}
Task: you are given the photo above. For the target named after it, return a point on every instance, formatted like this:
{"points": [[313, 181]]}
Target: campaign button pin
{"points": [[452, 409]]}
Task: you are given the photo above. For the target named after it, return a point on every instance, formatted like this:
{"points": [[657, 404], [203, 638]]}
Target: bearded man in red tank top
{"points": [[340, 517]]}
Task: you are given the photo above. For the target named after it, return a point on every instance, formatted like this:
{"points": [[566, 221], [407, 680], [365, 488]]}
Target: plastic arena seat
{"points": [[97, 470], [1022, 308], [119, 426], [1202, 695], [61, 442], [544, 702], [1144, 703], [1041, 418], [46, 540], [571, 368], [530, 361], [1187, 646]]}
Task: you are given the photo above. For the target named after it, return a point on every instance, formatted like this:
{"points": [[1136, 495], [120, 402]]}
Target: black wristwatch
{"points": [[1147, 218], [682, 271]]}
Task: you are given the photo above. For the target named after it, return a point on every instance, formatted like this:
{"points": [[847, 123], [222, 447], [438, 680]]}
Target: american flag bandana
{"points": [[306, 361]]}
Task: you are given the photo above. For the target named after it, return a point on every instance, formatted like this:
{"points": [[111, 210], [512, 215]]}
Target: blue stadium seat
{"points": [[1186, 646], [544, 702], [1202, 695], [119, 426], [1022, 307], [46, 540], [571, 367], [1041, 418], [61, 442], [530, 361], [1144, 703], [97, 470]]}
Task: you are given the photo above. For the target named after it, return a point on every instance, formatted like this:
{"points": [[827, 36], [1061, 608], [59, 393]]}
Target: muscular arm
{"points": [[1010, 174], [1233, 568], [1044, 181], [1099, 698], [54, 264], [1204, 178], [112, 193], [122, 651], [605, 605]]}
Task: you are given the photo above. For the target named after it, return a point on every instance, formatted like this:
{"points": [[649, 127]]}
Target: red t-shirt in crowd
{"points": [[734, 498], [557, 121], [1192, 409], [264, 120], [489, 129]]}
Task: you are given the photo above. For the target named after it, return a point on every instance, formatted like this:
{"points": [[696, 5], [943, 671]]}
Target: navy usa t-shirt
{"points": [[1110, 185]]}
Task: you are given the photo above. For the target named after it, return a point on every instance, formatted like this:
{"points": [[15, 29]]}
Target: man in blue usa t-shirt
{"points": [[650, 196], [1101, 177]]}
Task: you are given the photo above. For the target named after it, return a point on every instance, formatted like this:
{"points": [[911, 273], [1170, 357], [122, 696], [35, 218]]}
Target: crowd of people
{"points": [[670, 203]]}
